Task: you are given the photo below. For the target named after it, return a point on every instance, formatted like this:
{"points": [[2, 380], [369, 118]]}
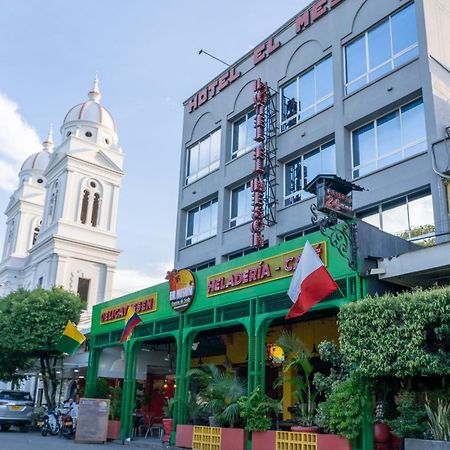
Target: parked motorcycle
{"points": [[49, 423], [68, 425]]}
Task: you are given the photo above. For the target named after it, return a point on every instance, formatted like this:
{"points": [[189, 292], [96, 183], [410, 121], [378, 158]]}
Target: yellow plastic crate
{"points": [[206, 438], [291, 440]]}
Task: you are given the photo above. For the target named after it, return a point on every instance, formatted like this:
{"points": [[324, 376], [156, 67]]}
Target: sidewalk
{"points": [[15, 440], [151, 444]]}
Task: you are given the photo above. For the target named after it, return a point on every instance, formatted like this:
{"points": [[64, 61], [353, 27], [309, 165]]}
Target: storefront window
{"points": [[241, 205], [243, 135], [300, 171], [388, 45], [410, 217], [202, 222], [310, 93], [389, 139], [203, 157]]}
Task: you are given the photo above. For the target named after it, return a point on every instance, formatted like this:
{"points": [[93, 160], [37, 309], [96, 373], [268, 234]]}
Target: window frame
{"points": [[247, 185], [392, 153], [296, 116], [404, 199], [187, 238], [300, 193], [192, 178], [234, 154], [364, 35]]}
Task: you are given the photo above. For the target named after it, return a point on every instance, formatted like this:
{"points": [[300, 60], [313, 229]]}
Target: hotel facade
{"points": [[358, 90]]}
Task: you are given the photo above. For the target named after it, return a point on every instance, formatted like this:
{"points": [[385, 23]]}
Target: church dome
{"points": [[38, 162], [91, 111]]}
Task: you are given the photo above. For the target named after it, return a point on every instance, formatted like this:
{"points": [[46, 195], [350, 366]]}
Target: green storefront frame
{"points": [[254, 308]]}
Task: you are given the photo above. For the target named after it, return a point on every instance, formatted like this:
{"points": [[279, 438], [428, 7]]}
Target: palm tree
{"points": [[298, 358], [219, 393]]}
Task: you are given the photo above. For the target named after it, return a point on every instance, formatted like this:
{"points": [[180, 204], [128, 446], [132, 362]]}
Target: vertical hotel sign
{"points": [[258, 272], [258, 185]]}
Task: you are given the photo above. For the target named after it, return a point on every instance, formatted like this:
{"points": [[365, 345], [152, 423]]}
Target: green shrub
{"points": [[255, 410], [398, 335], [411, 421], [116, 403], [343, 411]]}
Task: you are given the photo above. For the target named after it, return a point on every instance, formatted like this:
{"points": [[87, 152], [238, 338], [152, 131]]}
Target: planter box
{"points": [[167, 424], [232, 439], [424, 444], [210, 437], [332, 442], [264, 440], [184, 436], [113, 430]]}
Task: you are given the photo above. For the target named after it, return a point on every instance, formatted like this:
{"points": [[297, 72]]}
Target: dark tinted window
{"points": [[15, 395]]}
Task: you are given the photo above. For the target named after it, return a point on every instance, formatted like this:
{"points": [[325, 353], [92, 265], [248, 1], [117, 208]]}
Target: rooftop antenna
{"points": [[209, 54]]}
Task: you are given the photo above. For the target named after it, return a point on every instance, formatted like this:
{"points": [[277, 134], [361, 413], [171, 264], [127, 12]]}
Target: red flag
{"points": [[310, 284]]}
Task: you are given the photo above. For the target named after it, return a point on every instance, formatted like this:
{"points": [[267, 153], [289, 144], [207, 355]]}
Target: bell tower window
{"points": [[95, 207], [53, 203], [84, 206], [36, 231], [91, 203]]}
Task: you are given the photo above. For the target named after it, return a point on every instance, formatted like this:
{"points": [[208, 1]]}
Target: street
{"points": [[15, 440]]}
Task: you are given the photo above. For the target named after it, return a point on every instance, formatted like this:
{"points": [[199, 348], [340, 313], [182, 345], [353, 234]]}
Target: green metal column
{"points": [[368, 419], [92, 371], [251, 375], [129, 389], [182, 378], [260, 354]]}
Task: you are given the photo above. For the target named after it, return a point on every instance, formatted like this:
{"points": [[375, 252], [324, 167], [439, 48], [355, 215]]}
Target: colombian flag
{"points": [[70, 340], [131, 320]]}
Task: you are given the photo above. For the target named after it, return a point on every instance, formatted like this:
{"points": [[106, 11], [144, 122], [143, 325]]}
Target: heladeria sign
{"points": [[270, 269]]}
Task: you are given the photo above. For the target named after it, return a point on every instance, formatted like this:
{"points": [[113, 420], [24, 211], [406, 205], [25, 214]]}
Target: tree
{"points": [[31, 323]]}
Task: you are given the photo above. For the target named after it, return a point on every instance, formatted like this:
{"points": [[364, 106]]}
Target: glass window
{"points": [[203, 157], [389, 139], [241, 205], [301, 171], [243, 135], [310, 93], [201, 222], [388, 45], [410, 217], [83, 290]]}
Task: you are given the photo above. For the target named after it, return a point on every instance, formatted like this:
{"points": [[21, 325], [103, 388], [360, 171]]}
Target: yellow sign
{"points": [[143, 305], [258, 272], [181, 289]]}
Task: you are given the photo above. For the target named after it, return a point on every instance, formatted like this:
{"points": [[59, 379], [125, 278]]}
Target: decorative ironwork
{"points": [[340, 233]]}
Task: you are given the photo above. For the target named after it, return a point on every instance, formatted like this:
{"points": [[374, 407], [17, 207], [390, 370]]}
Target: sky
{"points": [[146, 54]]}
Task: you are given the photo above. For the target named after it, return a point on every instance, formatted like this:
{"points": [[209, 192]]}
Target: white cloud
{"points": [[18, 140], [8, 175], [130, 280]]}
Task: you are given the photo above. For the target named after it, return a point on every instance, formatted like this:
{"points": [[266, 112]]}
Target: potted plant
{"points": [[168, 418], [304, 391], [219, 395], [411, 421], [115, 407], [255, 411]]}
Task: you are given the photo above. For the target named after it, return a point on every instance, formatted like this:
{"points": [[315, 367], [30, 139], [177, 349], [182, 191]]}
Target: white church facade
{"points": [[61, 219]]}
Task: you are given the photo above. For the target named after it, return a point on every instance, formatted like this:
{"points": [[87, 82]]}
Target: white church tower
{"points": [[61, 220]]}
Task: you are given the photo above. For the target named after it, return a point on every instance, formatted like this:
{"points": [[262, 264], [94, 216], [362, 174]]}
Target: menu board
{"points": [[92, 422]]}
